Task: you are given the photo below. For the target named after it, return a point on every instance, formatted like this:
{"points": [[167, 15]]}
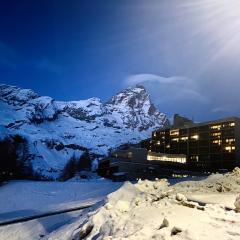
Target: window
{"points": [[229, 124], [184, 138], [216, 127], [165, 158], [230, 148], [194, 158], [219, 142], [174, 132], [216, 134], [195, 137], [230, 140]]}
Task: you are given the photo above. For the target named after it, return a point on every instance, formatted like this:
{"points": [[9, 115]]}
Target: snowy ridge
{"points": [[57, 130]]}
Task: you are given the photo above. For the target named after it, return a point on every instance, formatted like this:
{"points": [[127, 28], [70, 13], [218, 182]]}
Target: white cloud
{"points": [[165, 89], [224, 109], [172, 94], [142, 78]]}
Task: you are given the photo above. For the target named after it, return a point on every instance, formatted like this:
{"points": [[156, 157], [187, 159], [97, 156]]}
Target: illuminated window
{"points": [[154, 134], [174, 132], [232, 124], [216, 127], [158, 143], [219, 142], [184, 138], [196, 137], [175, 139], [195, 158], [230, 140], [230, 148], [166, 158], [216, 134], [168, 146]]}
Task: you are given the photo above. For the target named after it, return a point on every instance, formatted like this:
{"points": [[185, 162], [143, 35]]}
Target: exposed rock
{"points": [[56, 131], [175, 231], [180, 197], [237, 203], [164, 224]]}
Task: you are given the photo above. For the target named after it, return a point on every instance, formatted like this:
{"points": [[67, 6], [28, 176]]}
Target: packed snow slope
{"points": [[56, 130], [156, 210]]}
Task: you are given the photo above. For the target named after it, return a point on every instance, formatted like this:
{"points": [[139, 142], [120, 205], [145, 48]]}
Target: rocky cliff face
{"points": [[56, 130]]}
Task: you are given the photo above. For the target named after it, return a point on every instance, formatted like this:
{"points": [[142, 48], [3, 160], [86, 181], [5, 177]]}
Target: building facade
{"points": [[208, 146], [190, 149], [134, 163]]}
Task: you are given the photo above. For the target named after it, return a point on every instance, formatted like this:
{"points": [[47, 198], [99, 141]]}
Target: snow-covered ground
{"points": [[27, 198], [156, 210], [141, 211], [23, 198]]}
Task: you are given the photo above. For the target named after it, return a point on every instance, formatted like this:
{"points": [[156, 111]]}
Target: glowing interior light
{"points": [[216, 127], [230, 148], [167, 158], [196, 137], [216, 134], [217, 142], [230, 140], [174, 132]]}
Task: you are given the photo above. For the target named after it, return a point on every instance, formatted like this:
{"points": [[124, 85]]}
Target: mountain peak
{"points": [[16, 95], [129, 95], [55, 131]]}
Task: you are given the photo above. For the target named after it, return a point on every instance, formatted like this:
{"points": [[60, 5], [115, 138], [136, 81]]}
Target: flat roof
{"points": [[192, 125]]}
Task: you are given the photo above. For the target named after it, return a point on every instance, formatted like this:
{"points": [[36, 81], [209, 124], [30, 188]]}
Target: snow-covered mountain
{"points": [[56, 130]]}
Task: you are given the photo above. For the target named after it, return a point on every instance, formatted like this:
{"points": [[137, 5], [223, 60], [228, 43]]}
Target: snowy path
{"points": [[37, 229], [26, 198], [43, 215]]}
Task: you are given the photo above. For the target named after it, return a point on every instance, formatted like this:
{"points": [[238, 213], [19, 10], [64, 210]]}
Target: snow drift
{"points": [[156, 210]]}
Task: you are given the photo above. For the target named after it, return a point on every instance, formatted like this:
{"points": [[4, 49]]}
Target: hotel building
{"points": [[207, 146], [182, 148]]}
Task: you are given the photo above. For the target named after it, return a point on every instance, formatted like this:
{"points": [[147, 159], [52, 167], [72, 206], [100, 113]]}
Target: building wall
{"points": [[132, 154], [237, 136], [207, 145]]}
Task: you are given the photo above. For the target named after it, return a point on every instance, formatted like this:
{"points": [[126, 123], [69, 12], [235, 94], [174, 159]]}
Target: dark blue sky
{"points": [[185, 52]]}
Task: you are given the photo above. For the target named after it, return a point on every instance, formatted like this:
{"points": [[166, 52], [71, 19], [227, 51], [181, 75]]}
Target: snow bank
{"points": [[216, 183], [156, 210]]}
